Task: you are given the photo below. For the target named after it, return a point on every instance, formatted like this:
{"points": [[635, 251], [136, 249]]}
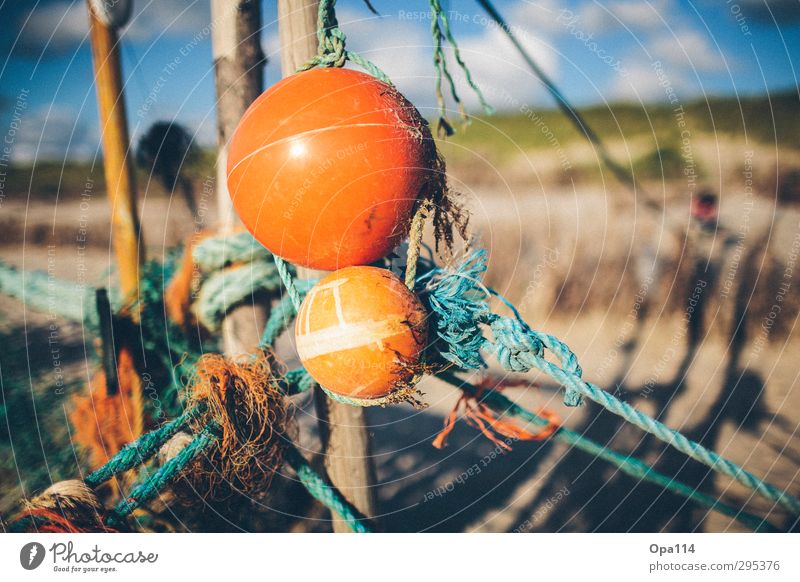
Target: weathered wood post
{"points": [[125, 226], [126, 230], [239, 79], [344, 435]]}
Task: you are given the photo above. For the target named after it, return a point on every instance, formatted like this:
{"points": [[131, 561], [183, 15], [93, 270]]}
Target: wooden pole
{"points": [[343, 431], [125, 226], [239, 77], [126, 230]]}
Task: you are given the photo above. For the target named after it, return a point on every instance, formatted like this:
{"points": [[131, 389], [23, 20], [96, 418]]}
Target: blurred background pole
{"points": [[104, 20], [239, 79], [125, 227], [343, 431]]}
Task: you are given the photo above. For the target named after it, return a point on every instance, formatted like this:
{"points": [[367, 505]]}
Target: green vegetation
{"points": [[652, 133]]}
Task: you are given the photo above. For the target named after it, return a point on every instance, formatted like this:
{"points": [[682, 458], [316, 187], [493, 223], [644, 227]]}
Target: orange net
{"points": [[478, 415], [105, 423]]}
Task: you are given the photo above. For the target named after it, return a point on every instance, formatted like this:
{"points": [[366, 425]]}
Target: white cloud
{"points": [[404, 50], [59, 26], [54, 133], [170, 17], [612, 16], [687, 48], [63, 25]]}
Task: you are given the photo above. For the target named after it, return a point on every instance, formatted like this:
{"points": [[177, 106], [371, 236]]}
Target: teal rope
{"points": [[282, 313], [40, 291], [325, 493], [519, 349], [167, 473], [331, 51], [285, 273], [140, 450], [440, 30], [217, 252], [628, 465], [696, 451]]}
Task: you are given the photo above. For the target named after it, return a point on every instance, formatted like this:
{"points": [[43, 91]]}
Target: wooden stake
{"points": [[343, 432], [126, 230], [238, 69], [125, 226]]}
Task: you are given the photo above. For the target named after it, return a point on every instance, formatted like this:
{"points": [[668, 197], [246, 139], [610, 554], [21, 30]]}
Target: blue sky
{"points": [[596, 51]]}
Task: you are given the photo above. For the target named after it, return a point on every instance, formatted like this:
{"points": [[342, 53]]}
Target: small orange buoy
{"points": [[360, 333], [325, 167]]}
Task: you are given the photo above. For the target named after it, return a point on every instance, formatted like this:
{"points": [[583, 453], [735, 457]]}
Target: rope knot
{"points": [[456, 300], [234, 269], [516, 346], [244, 401], [64, 507]]}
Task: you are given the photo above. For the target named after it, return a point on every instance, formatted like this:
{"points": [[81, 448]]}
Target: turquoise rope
{"points": [[282, 314], [514, 353], [44, 293], [325, 493], [167, 473], [285, 273], [628, 465], [140, 450], [519, 349]]}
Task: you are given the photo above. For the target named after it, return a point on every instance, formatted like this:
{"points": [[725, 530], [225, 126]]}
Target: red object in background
{"points": [[705, 207], [325, 167]]}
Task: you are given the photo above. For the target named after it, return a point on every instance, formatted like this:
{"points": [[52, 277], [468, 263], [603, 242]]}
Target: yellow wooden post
{"points": [[126, 230]]}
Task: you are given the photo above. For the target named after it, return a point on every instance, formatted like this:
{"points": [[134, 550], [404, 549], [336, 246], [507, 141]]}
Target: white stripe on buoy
{"points": [[348, 336]]}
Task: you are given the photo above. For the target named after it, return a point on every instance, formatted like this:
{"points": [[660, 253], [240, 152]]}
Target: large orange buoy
{"points": [[325, 167], [360, 333]]}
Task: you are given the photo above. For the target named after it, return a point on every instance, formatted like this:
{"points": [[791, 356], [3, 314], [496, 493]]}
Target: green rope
{"points": [[325, 493], [628, 465], [283, 312], [440, 31], [331, 41], [42, 292], [626, 176], [519, 348], [140, 450], [167, 473]]}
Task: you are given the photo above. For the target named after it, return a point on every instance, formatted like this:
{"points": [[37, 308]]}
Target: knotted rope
{"points": [[519, 348]]}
